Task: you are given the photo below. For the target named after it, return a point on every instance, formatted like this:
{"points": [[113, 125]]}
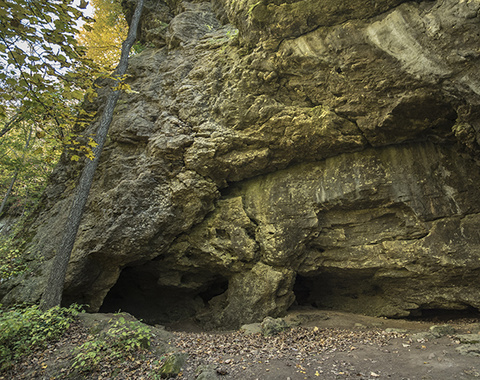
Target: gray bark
{"points": [[52, 295], [9, 191]]}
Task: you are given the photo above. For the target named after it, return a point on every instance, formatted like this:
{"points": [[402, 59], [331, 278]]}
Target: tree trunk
{"points": [[9, 191], [52, 295]]}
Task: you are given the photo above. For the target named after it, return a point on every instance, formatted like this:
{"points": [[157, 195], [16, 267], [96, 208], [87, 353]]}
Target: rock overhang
{"points": [[330, 156]]}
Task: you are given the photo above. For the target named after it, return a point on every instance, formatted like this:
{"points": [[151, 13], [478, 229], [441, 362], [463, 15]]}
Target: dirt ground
{"points": [[318, 345], [337, 345]]}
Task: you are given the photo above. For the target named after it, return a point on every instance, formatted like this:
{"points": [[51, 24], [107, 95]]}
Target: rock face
{"points": [[305, 152]]}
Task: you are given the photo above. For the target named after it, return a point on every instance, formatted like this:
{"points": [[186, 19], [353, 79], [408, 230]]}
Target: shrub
{"points": [[23, 329], [121, 341], [11, 261]]}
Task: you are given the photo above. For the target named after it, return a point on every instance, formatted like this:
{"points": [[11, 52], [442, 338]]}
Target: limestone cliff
{"points": [[314, 151]]}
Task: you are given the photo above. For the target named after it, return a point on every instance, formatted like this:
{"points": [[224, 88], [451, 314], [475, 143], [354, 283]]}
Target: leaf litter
{"points": [[296, 353]]}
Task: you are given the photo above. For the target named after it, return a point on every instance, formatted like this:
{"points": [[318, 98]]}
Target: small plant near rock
{"points": [[231, 34], [22, 329], [11, 261], [121, 341], [172, 366]]}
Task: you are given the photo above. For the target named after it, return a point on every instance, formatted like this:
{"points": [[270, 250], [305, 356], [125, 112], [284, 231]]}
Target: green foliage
{"points": [[21, 330], [232, 34], [45, 75], [121, 341], [49, 64], [39, 54], [26, 161], [138, 47], [26, 157], [11, 260]]}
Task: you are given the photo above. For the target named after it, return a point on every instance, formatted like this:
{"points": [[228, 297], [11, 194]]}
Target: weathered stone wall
{"points": [[278, 152]]}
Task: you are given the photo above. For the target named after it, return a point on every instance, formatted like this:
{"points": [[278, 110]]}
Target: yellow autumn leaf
{"points": [[129, 90], [92, 143], [103, 39]]}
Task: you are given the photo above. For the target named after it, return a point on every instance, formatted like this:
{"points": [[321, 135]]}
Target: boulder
{"points": [[273, 326]]}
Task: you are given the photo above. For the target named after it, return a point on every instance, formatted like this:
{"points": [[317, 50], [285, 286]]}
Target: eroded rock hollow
{"points": [[310, 152]]}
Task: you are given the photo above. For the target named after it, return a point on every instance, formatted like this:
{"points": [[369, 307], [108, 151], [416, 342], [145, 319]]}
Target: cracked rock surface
{"points": [[278, 153]]}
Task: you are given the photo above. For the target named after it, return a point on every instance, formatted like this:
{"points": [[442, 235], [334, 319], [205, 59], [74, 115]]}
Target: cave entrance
{"points": [[357, 291], [354, 291], [467, 315], [137, 292]]}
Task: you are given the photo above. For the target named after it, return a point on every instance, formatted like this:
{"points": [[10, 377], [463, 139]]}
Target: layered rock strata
{"points": [[278, 153]]}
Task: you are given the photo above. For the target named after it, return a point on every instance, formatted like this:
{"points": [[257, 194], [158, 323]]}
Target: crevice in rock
{"points": [[139, 292], [302, 290], [216, 288], [445, 315]]}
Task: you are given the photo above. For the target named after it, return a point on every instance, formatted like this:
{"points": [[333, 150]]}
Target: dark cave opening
{"points": [[469, 314], [137, 292], [341, 290], [358, 292], [214, 289], [302, 290]]}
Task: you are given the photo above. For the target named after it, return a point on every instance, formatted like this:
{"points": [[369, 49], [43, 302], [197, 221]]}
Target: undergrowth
{"points": [[23, 329], [121, 341], [12, 262]]}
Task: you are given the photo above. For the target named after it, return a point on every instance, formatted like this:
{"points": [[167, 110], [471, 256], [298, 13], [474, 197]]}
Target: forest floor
{"points": [[320, 345]]}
